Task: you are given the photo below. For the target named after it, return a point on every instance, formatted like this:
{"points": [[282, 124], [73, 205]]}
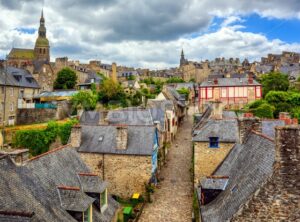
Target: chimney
{"points": [[246, 125], [216, 81], [75, 137], [250, 78], [122, 137], [287, 157], [103, 118], [114, 72], [217, 109]]}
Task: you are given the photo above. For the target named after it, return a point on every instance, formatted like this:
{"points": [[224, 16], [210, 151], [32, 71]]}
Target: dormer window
{"points": [[87, 215], [103, 200], [213, 142]]}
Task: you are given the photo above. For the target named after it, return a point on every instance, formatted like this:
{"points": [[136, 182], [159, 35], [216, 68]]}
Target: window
{"points": [[12, 91], [11, 107], [209, 93], [214, 142], [231, 92], [103, 200], [87, 215], [223, 92], [258, 92]]}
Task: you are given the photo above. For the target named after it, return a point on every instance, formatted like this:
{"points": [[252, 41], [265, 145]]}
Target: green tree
{"points": [[175, 80], [274, 81], [84, 99], [66, 79], [275, 97], [264, 111], [184, 91], [110, 90]]}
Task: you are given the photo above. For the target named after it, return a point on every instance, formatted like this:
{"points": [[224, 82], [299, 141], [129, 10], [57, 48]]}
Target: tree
{"points": [[264, 111], [66, 79], [274, 81], [175, 80], [110, 90], [84, 99]]}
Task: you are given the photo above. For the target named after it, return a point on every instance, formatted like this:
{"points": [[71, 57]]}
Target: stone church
{"points": [[36, 60]]}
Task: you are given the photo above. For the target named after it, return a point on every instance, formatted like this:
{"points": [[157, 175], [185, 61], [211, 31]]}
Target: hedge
{"points": [[38, 141]]}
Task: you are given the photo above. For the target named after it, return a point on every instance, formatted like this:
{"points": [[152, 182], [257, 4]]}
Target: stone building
{"points": [[195, 71], [234, 93], [257, 180], [36, 60], [55, 186], [123, 155], [17, 90]]}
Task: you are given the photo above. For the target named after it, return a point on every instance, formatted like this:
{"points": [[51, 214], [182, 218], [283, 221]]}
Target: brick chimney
{"points": [[216, 81], [287, 159], [122, 137], [217, 109], [246, 125], [75, 137], [250, 78]]}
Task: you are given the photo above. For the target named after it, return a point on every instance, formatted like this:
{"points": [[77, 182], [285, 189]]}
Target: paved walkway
{"points": [[173, 201]]}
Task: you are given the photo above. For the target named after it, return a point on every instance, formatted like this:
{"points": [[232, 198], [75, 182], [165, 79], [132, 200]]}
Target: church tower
{"points": [[183, 61], [42, 48]]}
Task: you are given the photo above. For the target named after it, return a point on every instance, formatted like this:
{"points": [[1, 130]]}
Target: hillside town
{"points": [[211, 140]]}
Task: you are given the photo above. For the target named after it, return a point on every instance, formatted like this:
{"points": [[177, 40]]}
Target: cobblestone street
{"points": [[173, 201]]}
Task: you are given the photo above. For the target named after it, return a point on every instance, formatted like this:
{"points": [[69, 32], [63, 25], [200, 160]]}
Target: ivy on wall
{"points": [[38, 141]]}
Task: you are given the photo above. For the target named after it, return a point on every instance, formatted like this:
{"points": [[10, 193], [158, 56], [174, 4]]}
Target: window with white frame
{"points": [[209, 92], [223, 92], [12, 91], [258, 92], [231, 92]]}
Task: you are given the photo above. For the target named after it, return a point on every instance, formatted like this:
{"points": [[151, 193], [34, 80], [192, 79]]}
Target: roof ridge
{"points": [[262, 135], [87, 174], [17, 213], [49, 152]]}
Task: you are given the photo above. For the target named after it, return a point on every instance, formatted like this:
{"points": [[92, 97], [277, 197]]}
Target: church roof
{"points": [[18, 53]]}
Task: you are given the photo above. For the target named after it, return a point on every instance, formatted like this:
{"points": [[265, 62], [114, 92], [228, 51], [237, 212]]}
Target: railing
{"points": [[45, 106]]}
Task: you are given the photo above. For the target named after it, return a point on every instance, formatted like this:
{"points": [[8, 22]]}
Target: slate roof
{"points": [[214, 183], [140, 140], [130, 116], [90, 183], [225, 129], [248, 166], [92, 78], [90, 118], [229, 114], [34, 186], [230, 82], [268, 127], [158, 114], [18, 77], [74, 200]]}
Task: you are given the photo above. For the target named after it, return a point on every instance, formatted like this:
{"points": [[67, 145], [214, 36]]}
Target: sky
{"points": [[151, 34]]}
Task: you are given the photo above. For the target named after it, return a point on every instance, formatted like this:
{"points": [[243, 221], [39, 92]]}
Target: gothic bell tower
{"points": [[42, 48]]}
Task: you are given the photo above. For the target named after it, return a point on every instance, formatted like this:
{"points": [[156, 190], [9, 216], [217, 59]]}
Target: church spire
{"points": [[183, 61]]}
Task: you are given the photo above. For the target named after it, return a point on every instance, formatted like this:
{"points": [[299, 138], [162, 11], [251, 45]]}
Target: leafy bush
{"points": [[275, 97], [184, 91], [264, 111], [255, 104], [282, 107], [175, 80], [38, 141], [294, 99], [84, 99]]}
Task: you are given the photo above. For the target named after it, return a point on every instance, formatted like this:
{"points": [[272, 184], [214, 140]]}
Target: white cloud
{"points": [[144, 33]]}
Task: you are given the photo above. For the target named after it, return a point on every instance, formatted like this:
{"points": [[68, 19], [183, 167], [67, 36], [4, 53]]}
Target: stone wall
{"points": [[206, 160], [279, 198], [126, 174], [29, 116]]}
